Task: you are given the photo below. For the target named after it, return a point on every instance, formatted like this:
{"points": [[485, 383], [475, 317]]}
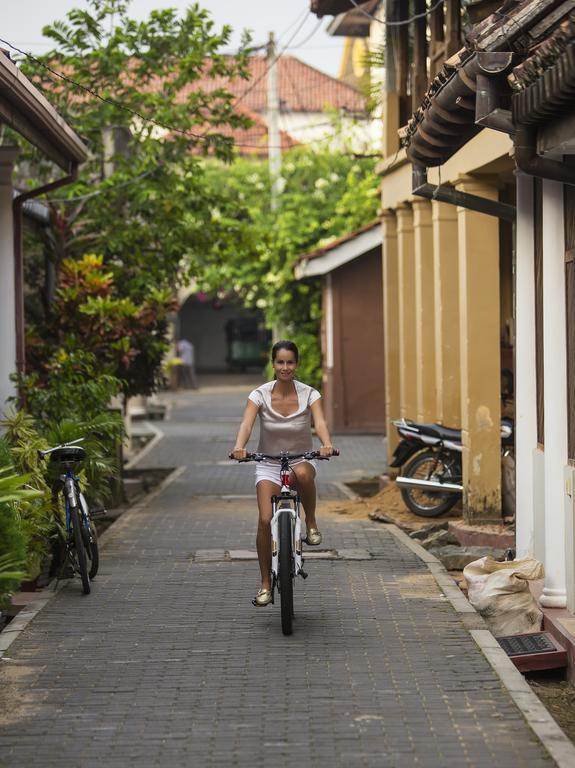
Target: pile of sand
{"points": [[387, 506]]}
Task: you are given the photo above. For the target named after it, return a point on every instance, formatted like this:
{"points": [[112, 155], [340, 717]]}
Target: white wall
{"points": [[7, 304]]}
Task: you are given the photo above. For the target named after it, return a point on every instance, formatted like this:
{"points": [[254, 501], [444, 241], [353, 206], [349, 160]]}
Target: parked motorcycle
{"points": [[430, 458]]}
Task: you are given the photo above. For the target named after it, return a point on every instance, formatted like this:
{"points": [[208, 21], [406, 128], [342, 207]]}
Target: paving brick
{"points": [[166, 663]]}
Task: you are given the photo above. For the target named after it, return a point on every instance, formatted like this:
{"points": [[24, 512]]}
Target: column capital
{"points": [[484, 186], [421, 212], [389, 223], [404, 214], [443, 211], [8, 156]]}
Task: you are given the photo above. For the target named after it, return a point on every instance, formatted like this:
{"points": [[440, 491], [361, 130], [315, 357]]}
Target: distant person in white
{"points": [[285, 407], [188, 367]]}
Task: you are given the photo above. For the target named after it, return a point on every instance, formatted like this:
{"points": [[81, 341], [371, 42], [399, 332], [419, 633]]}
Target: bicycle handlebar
{"points": [[279, 456]]}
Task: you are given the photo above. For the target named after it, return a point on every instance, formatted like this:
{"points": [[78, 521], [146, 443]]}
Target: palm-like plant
{"points": [[13, 554]]}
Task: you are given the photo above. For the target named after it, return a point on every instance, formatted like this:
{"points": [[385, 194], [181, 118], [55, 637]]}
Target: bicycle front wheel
{"points": [[285, 567], [80, 549]]}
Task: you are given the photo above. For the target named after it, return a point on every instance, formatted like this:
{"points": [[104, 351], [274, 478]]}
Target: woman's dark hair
{"points": [[284, 344]]}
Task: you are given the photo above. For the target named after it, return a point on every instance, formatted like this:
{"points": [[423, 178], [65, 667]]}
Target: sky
{"points": [[22, 24]]}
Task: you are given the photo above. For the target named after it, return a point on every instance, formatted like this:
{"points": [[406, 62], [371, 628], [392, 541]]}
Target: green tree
{"points": [[151, 219], [326, 195]]}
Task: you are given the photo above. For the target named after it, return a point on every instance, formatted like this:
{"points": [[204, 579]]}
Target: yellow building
{"points": [[447, 253]]}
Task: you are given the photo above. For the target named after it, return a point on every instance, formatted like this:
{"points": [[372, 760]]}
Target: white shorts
{"points": [[270, 470]]}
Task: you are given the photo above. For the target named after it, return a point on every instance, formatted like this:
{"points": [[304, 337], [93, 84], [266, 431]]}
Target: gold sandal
{"points": [[263, 598], [313, 537]]}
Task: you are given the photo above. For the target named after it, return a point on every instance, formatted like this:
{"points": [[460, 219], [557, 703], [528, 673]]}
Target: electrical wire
{"points": [[401, 22], [307, 39], [272, 62], [135, 113], [205, 137]]}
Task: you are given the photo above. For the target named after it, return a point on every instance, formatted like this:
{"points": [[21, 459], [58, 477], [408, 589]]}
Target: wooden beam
{"points": [[437, 42], [402, 48], [420, 77], [452, 27]]}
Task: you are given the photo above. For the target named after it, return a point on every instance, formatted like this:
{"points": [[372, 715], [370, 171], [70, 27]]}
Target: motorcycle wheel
{"points": [[427, 466]]}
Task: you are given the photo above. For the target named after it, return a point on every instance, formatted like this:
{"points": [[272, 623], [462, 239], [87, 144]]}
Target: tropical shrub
{"points": [[143, 207], [15, 534]]}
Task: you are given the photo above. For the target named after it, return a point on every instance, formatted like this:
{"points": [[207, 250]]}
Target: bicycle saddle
{"points": [[68, 455]]}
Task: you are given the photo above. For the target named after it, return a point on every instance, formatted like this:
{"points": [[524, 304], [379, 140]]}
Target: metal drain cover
{"points": [[536, 642]]}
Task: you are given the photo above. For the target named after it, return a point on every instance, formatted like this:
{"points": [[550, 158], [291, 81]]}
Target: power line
{"points": [[309, 37], [303, 15], [400, 23], [118, 105], [272, 62], [135, 113]]}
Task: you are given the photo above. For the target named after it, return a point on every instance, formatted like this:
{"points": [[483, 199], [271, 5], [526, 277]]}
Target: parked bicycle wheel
{"points": [[428, 466], [80, 548], [90, 539], [94, 553], [285, 572]]}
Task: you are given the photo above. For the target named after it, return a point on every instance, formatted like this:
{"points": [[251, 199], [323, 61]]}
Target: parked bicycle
{"points": [[287, 558], [81, 541]]}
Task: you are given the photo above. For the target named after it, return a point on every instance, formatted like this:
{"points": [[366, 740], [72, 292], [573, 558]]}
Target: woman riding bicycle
{"points": [[285, 407]]}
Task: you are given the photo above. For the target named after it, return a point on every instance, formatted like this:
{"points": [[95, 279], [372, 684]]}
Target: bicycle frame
{"points": [[287, 502]]}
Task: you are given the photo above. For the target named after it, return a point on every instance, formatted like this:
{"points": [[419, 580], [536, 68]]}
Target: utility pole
{"points": [[274, 140]]}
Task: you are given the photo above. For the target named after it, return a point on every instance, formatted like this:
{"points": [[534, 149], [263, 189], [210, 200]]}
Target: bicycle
{"points": [[81, 541], [287, 558]]}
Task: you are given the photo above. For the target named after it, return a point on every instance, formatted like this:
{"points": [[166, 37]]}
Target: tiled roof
{"points": [[545, 56], [252, 140], [301, 88]]}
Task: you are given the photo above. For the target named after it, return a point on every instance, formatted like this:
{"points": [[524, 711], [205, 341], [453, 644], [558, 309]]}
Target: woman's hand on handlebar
{"points": [[327, 450], [239, 454]]}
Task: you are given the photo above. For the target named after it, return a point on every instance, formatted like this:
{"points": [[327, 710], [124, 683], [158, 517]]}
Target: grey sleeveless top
{"points": [[284, 433]]}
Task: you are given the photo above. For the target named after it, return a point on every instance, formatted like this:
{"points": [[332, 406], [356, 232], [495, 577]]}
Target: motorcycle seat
{"points": [[443, 433]]}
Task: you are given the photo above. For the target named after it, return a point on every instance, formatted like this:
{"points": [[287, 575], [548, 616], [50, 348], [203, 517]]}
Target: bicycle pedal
{"points": [[303, 574], [98, 512]]}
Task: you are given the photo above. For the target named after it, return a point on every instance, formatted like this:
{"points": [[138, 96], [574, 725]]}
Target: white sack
{"points": [[500, 593]]}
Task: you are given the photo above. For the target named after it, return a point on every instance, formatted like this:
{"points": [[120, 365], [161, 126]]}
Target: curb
{"points": [[537, 716], [158, 435], [27, 614]]}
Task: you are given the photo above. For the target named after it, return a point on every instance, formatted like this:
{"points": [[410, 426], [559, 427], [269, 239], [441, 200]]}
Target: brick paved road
{"points": [[201, 431], [167, 663]]}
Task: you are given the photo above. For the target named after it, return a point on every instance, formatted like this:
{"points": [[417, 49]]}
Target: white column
{"points": [[555, 399], [328, 314], [7, 288], [525, 380]]}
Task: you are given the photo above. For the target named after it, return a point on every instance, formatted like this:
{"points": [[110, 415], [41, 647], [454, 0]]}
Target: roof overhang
{"points": [[473, 91], [28, 112], [340, 252], [330, 7], [354, 23]]}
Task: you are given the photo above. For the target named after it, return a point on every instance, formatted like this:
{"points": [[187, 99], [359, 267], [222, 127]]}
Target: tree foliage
{"points": [[325, 195], [145, 208]]}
